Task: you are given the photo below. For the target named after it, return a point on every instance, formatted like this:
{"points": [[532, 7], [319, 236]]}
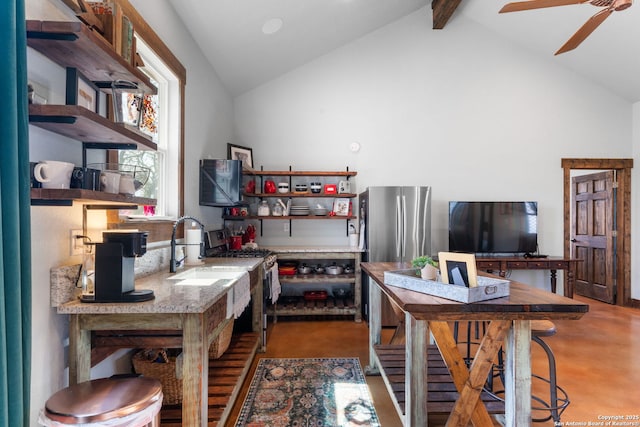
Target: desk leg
{"points": [[415, 383], [195, 371], [570, 280], [79, 351], [375, 325], [554, 280], [518, 375]]}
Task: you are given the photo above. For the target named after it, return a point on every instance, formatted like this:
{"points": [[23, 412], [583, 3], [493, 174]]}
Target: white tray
{"points": [[488, 288]]}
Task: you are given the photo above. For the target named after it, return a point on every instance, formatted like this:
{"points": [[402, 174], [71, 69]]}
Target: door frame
{"points": [[623, 217]]}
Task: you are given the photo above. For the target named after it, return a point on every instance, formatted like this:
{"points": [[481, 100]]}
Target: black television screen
{"points": [[220, 182], [493, 227]]}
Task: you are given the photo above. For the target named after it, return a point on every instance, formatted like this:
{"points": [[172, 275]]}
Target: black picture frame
{"points": [[458, 269], [81, 91], [238, 152]]}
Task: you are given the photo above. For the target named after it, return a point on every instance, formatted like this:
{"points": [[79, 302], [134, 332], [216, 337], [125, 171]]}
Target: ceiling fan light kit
{"points": [[609, 6]]}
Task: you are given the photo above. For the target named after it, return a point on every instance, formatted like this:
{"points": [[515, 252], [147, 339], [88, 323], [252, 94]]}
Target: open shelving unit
{"points": [[75, 45]]}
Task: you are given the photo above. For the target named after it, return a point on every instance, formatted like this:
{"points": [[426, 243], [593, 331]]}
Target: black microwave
{"points": [[220, 182]]}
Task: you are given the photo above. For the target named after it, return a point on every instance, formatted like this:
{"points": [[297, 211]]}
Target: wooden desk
{"points": [[553, 264], [510, 320]]}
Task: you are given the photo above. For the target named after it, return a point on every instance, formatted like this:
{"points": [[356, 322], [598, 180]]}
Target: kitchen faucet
{"points": [[173, 263]]}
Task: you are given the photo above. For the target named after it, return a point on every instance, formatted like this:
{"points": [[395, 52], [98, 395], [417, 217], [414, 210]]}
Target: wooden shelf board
{"points": [[309, 194], [299, 173], [317, 278], [226, 376], [84, 125], [303, 217], [74, 44], [87, 196]]}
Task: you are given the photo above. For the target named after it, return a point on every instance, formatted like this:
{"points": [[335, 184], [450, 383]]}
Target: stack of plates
{"points": [[299, 210]]}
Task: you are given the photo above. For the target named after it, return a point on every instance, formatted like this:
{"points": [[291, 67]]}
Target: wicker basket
{"points": [[157, 364], [222, 341]]}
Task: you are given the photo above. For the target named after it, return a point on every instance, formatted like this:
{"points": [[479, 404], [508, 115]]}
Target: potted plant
{"points": [[428, 267]]}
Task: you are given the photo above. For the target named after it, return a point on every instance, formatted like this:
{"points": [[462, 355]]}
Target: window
{"points": [[161, 120], [175, 73]]}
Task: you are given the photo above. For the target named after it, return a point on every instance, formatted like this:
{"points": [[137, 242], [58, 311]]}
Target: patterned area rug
{"points": [[308, 393]]}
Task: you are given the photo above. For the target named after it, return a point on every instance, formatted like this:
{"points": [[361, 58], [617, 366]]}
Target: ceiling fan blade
{"points": [[537, 4], [585, 30]]}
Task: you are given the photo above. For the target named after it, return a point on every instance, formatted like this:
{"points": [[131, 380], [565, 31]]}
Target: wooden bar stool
{"points": [[558, 398], [116, 402], [556, 401]]}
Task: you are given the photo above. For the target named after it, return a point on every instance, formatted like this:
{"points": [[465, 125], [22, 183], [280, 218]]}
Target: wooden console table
{"points": [[553, 264], [509, 320]]}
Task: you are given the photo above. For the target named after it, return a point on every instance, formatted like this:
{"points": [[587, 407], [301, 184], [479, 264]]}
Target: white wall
{"points": [[461, 109], [208, 127]]}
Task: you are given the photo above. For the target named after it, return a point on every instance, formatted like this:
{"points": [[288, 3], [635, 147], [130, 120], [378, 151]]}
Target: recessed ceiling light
{"points": [[272, 26]]}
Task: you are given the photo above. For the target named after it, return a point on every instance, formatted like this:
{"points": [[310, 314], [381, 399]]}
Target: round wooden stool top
{"points": [[543, 328], [102, 399]]}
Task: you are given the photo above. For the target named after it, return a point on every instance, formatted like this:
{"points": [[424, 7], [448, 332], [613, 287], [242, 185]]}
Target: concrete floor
{"points": [[597, 356]]}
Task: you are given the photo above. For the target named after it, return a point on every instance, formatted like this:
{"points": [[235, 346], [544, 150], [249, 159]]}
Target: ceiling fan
{"points": [[609, 6]]}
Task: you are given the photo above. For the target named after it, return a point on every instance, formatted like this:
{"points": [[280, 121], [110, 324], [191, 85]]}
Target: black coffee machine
{"points": [[114, 273]]}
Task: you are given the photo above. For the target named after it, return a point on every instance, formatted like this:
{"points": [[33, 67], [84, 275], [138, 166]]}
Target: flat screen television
{"points": [[488, 228], [220, 182]]}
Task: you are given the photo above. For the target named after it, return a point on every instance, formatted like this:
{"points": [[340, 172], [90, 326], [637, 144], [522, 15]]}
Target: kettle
{"points": [[270, 186]]}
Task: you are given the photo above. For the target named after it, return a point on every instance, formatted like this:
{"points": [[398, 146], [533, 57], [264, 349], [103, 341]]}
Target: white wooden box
{"points": [[488, 288]]}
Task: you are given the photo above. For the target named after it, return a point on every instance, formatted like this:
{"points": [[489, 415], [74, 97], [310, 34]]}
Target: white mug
{"points": [[53, 174], [127, 185], [110, 181]]}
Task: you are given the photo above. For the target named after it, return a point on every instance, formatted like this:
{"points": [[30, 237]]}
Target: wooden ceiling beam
{"points": [[442, 11]]}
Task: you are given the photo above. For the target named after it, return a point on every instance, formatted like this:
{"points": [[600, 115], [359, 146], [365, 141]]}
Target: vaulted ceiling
{"points": [[230, 32]]}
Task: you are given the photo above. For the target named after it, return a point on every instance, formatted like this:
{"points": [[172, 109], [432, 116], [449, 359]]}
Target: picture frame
{"points": [[342, 206], [81, 91], [458, 269], [237, 152]]}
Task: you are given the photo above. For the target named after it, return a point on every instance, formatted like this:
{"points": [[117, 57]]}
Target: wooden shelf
{"points": [[66, 197], [271, 217], [298, 306], [226, 376], [74, 44], [317, 278], [299, 173], [84, 125], [305, 195]]}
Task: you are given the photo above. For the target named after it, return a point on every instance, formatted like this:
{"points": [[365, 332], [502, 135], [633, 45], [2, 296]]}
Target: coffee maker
{"points": [[114, 268]]}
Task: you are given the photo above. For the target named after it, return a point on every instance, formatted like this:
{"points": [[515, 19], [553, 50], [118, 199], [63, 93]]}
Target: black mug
{"points": [[86, 178]]}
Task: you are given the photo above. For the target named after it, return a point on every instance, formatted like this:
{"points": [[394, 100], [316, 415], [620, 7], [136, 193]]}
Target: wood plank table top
{"points": [[524, 301]]}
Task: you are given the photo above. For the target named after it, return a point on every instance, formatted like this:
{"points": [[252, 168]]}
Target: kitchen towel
{"points": [[241, 295], [275, 283]]}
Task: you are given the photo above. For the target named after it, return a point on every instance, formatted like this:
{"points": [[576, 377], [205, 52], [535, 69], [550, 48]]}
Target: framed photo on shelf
{"points": [[81, 91], [458, 269], [237, 152], [342, 207]]}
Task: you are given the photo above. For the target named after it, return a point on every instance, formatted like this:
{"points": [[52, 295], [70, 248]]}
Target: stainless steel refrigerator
{"points": [[397, 227]]}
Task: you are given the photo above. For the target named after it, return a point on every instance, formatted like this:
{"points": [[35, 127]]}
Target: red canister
{"points": [[235, 243], [270, 186]]}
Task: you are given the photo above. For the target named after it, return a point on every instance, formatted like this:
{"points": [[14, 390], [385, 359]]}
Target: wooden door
{"points": [[593, 234]]}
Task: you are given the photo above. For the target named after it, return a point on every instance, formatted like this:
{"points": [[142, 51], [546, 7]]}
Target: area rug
{"points": [[308, 393]]}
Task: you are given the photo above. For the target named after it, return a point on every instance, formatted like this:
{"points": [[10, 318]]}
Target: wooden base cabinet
{"points": [[343, 291]]}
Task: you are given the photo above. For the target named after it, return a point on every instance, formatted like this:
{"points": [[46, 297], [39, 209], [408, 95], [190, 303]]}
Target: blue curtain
{"points": [[15, 232]]}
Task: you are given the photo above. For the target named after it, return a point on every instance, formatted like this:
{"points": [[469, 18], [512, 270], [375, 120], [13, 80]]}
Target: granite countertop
{"points": [[169, 297], [312, 249]]}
